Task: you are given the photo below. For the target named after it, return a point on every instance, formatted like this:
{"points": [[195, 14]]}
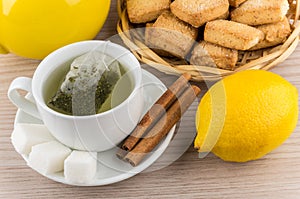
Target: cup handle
{"points": [[22, 83]]}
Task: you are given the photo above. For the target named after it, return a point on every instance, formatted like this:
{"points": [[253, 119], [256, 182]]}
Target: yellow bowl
{"points": [[34, 28]]}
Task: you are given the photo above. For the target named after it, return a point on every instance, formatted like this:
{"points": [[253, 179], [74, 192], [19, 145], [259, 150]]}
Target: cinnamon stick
{"points": [[157, 110], [121, 153], [163, 126]]}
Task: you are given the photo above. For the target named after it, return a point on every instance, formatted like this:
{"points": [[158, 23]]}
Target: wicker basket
{"points": [[260, 59]]}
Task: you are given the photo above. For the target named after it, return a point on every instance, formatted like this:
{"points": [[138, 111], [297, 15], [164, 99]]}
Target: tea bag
{"points": [[87, 85]]}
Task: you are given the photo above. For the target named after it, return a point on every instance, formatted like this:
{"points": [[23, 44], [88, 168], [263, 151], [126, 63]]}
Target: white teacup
{"points": [[97, 132]]}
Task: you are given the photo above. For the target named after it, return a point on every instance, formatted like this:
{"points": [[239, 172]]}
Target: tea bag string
{"points": [[110, 61], [105, 54]]}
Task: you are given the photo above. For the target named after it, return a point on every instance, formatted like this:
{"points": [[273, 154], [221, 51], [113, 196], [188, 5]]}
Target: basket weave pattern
{"points": [[263, 59]]}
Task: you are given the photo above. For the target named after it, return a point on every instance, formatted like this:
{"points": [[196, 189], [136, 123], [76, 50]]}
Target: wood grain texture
{"points": [[277, 175]]}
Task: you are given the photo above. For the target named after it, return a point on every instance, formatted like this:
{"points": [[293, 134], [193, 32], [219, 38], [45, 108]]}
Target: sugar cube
{"points": [[48, 157], [80, 167], [24, 136]]}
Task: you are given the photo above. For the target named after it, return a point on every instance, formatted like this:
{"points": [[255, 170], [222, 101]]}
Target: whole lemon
{"points": [[34, 28], [246, 115]]}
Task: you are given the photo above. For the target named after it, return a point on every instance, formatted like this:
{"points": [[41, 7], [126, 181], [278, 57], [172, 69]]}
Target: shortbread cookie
{"points": [[208, 54], [198, 12], [171, 35], [258, 12], [141, 11], [275, 33], [232, 34]]}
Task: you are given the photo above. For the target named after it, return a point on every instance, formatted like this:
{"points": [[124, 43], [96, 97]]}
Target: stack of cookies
{"points": [[210, 33]]}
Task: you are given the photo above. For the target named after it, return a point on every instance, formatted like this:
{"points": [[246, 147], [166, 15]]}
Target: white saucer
{"points": [[110, 168]]}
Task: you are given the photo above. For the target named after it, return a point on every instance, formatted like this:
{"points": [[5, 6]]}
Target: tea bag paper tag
{"points": [[89, 82]]}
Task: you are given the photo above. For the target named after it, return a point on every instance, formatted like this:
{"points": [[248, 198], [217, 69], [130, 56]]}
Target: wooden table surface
{"points": [[277, 175]]}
